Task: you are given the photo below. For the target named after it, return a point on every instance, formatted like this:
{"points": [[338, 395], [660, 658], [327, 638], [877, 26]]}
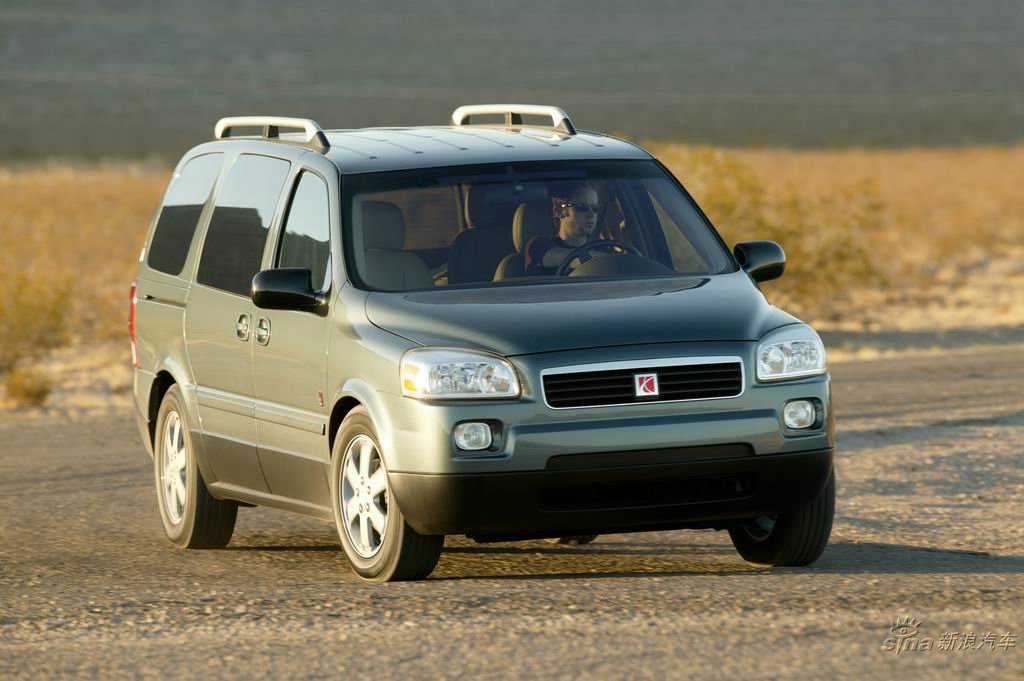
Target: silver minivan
{"points": [[504, 328]]}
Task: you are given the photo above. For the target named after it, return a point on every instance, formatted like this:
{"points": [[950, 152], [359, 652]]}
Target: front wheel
{"points": [[790, 539], [379, 544]]}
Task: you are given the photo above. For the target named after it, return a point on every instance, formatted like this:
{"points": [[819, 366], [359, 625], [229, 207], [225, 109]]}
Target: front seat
{"points": [[531, 220], [476, 252], [388, 267]]}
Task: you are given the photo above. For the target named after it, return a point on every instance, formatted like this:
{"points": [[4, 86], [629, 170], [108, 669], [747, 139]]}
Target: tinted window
{"points": [[241, 219], [306, 241], [184, 202], [685, 256]]}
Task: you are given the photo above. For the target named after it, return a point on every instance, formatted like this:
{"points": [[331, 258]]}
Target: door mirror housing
{"points": [[287, 288], [762, 260]]}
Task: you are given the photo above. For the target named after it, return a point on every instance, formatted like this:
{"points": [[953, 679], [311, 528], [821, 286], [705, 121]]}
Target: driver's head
{"points": [[575, 211]]}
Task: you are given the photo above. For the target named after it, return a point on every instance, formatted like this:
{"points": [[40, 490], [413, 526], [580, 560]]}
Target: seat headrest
{"points": [[484, 214], [383, 226], [531, 219]]}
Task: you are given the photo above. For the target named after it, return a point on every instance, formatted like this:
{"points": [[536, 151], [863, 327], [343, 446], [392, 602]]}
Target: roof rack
{"points": [[315, 137], [514, 115]]}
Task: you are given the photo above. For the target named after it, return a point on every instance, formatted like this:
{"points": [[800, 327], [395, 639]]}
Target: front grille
{"points": [[568, 388]]}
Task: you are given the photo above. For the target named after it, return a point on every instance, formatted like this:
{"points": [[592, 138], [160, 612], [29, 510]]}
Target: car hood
{"points": [[519, 320]]}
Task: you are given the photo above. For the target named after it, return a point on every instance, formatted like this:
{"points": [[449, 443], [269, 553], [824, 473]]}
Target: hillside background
{"points": [[87, 79], [881, 143]]}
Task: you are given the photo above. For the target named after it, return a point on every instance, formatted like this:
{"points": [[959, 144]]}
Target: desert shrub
{"points": [[27, 386]]}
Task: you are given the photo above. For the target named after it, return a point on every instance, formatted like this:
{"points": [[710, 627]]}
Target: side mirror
{"points": [[762, 260], [287, 288]]}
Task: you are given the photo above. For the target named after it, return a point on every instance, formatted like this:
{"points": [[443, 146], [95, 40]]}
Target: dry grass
{"points": [[940, 203], [858, 221], [850, 221], [71, 238]]}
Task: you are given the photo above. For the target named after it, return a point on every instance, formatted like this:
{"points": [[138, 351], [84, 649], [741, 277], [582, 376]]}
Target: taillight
{"points": [[131, 324]]}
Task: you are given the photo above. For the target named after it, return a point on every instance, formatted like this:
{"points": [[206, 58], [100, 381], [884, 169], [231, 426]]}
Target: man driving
{"points": [[574, 213]]}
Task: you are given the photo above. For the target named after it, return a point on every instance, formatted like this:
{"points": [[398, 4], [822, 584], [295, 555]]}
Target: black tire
{"points": [[574, 540], [794, 539], [403, 554], [203, 522]]}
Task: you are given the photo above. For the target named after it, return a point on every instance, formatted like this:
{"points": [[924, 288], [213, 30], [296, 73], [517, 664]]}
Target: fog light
{"points": [[472, 436], [799, 414]]}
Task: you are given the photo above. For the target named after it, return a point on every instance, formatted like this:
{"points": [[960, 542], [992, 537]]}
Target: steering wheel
{"points": [[583, 253]]}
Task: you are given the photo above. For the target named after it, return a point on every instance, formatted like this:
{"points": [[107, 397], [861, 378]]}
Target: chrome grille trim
{"points": [[640, 365]]}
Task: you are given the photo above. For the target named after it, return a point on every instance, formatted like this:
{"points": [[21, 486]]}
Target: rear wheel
{"points": [[192, 518], [789, 539], [378, 543]]}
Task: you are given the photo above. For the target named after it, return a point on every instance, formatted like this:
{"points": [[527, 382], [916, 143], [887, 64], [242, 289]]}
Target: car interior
{"points": [[477, 233]]}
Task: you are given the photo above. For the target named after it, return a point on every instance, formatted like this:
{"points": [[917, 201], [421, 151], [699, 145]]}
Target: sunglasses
{"points": [[581, 207]]}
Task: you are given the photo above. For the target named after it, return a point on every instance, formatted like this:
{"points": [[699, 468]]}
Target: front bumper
{"points": [[673, 489]]}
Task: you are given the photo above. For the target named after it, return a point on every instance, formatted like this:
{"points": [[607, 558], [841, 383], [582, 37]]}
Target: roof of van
{"points": [[463, 142], [379, 149]]}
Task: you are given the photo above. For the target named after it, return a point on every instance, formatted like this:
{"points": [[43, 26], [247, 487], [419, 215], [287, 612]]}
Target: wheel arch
{"points": [[167, 375], [358, 393], [162, 382], [338, 413]]}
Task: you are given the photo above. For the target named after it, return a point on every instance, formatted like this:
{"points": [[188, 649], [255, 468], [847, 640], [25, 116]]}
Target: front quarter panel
{"points": [[363, 361]]}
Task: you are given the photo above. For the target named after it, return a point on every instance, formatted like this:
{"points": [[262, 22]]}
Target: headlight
{"points": [[451, 373], [790, 352]]}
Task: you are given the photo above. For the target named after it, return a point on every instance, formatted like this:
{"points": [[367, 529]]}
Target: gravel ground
{"points": [[931, 493]]}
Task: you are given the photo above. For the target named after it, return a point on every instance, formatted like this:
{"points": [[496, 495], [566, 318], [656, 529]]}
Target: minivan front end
{"points": [[637, 463]]}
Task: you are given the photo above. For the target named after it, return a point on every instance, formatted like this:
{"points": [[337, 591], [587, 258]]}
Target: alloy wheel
{"points": [[364, 496], [174, 469]]}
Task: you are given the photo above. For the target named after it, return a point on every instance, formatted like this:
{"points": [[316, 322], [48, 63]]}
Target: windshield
{"points": [[524, 223]]}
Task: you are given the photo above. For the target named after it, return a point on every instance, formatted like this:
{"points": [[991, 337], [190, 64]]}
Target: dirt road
{"points": [[931, 496]]}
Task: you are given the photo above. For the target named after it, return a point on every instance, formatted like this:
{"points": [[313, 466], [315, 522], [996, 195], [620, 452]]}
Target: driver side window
{"points": [[305, 241]]}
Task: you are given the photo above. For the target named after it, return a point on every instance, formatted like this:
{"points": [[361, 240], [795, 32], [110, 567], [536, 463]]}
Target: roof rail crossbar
{"points": [[271, 129], [514, 115]]}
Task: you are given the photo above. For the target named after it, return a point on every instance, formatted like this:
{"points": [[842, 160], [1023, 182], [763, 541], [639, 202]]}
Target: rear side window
{"points": [[184, 202], [241, 218], [306, 241]]}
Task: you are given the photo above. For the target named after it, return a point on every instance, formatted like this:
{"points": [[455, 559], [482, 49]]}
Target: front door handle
{"points": [[242, 327], [263, 331]]}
